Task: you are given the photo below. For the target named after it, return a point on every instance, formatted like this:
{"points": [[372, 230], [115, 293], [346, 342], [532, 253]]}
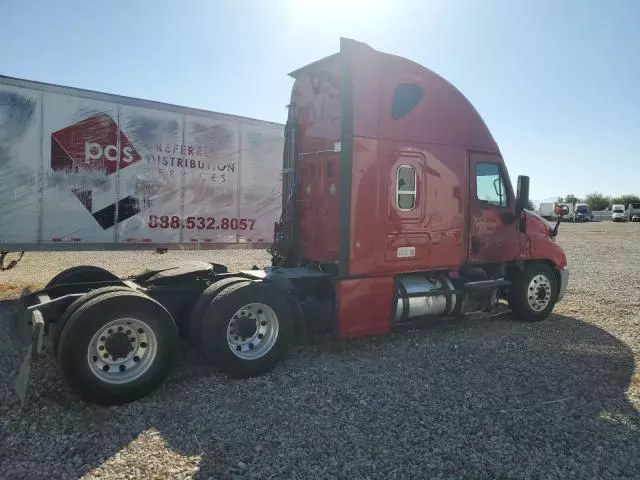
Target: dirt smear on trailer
{"points": [[16, 112]]}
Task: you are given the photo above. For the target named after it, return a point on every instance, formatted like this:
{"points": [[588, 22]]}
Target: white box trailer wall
{"points": [[84, 170], [545, 210]]}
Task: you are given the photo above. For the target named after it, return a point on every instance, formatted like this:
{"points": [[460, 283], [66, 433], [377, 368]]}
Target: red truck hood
{"points": [[537, 222], [542, 246]]}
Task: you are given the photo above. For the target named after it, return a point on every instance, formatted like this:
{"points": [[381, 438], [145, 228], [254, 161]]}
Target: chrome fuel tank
{"points": [[419, 296]]}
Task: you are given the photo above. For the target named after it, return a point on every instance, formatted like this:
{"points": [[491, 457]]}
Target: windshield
{"points": [[582, 209], [618, 210]]}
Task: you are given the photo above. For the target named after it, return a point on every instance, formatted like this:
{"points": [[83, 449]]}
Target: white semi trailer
{"points": [[545, 210], [82, 170]]}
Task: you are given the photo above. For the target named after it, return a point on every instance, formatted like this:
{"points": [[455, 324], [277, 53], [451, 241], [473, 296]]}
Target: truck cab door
{"points": [[493, 226]]}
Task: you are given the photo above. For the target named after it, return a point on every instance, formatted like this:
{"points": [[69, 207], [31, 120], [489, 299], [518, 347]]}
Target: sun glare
{"points": [[336, 12]]}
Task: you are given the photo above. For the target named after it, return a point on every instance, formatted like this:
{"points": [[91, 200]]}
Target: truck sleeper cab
{"points": [[397, 206]]}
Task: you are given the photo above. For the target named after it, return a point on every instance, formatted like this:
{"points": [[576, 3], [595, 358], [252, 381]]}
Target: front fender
{"points": [[541, 245], [544, 248]]}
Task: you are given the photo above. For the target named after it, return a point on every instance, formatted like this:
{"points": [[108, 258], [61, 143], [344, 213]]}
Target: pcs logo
{"points": [[92, 145]]}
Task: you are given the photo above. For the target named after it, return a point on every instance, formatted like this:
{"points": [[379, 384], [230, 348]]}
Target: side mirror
{"points": [[522, 195], [561, 210]]}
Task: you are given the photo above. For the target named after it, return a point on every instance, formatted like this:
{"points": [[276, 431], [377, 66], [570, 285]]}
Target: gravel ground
{"points": [[478, 398]]}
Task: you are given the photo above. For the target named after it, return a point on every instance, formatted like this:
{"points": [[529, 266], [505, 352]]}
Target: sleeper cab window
{"points": [[490, 187], [406, 187], [405, 98]]}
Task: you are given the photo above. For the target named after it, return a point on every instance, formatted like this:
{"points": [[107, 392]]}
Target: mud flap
{"points": [[33, 349]]}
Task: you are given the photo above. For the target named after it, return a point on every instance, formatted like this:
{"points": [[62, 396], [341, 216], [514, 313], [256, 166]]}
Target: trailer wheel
{"points": [[534, 293], [117, 347], [247, 329], [201, 305], [59, 326], [82, 273]]}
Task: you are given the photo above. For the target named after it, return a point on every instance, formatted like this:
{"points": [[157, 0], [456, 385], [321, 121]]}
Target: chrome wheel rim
{"points": [[539, 293], [252, 331], [122, 350]]}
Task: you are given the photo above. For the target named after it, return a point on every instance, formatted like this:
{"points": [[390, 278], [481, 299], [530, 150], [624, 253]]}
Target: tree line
{"points": [[598, 201]]}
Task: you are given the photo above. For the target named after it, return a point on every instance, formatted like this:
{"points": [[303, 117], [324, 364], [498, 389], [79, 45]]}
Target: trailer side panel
{"points": [[93, 171]]}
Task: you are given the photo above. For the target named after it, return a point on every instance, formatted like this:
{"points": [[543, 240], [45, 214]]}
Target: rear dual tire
{"points": [[116, 346], [247, 329], [70, 310], [79, 274], [201, 305]]}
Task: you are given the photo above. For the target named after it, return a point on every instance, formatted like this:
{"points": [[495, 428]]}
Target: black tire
{"points": [[219, 314], [201, 305], [82, 273], [55, 332], [87, 321], [521, 290]]}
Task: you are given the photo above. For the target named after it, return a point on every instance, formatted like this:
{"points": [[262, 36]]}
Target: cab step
{"points": [[487, 284]]}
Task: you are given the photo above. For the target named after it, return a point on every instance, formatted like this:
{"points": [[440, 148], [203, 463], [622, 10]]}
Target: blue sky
{"points": [[558, 82]]}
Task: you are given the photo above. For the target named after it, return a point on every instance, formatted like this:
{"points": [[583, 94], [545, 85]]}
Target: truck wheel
{"points": [[55, 332], [201, 305], [82, 273], [534, 293], [247, 329], [117, 347]]}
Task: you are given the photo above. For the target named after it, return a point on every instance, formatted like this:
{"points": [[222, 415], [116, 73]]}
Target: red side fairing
{"points": [[363, 306], [433, 137], [379, 228], [317, 101]]}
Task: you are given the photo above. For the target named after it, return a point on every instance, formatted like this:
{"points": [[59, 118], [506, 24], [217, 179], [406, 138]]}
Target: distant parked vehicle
{"points": [[545, 210], [618, 213], [633, 212], [582, 213]]}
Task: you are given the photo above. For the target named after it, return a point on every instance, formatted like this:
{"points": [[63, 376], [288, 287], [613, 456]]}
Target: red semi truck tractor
{"points": [[397, 207]]}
